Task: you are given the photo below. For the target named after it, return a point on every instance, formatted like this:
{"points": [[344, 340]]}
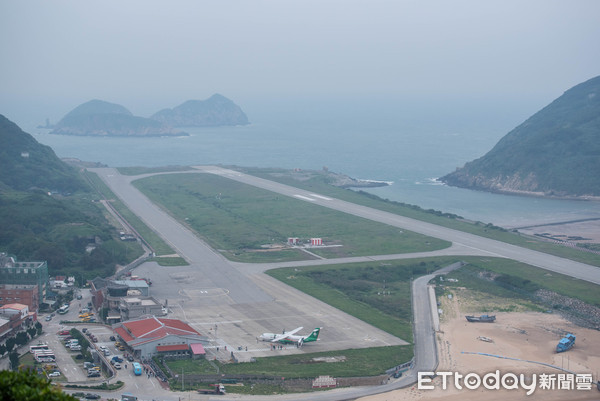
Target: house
{"points": [[18, 316], [154, 336]]}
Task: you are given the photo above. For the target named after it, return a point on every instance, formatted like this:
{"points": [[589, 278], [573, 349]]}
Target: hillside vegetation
{"points": [[48, 213], [556, 152]]}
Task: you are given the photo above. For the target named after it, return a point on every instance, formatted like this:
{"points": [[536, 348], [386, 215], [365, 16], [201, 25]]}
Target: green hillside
{"points": [[48, 213], [26, 164], [555, 152]]}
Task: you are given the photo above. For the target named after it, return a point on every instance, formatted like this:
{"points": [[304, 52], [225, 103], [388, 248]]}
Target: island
{"points": [[100, 118], [213, 112]]}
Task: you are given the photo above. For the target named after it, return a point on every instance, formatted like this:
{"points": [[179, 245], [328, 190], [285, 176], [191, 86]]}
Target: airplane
{"points": [[289, 337]]}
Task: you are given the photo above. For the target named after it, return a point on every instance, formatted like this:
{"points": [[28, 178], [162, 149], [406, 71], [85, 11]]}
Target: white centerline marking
{"points": [[306, 198], [321, 197]]}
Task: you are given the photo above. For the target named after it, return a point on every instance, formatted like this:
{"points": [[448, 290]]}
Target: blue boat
{"points": [[566, 343]]}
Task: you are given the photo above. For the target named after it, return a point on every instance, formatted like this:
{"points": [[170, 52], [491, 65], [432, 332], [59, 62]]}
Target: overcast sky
{"points": [[147, 55]]}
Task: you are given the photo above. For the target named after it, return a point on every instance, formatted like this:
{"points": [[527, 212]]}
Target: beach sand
{"points": [[529, 336]]}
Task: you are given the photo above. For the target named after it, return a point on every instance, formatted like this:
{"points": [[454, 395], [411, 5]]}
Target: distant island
{"points": [[101, 118], [554, 153], [212, 112]]}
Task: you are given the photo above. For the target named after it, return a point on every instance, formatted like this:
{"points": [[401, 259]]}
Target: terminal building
{"points": [[160, 336]]}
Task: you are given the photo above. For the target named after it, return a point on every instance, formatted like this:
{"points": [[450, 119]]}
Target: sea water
{"points": [[407, 143]]}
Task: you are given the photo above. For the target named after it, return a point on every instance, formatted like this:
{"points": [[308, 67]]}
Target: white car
{"points": [[117, 365], [54, 374]]}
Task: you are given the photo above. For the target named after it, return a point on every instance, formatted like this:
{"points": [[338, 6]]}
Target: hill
{"points": [[100, 118], [212, 112], [556, 152], [26, 164], [61, 228]]}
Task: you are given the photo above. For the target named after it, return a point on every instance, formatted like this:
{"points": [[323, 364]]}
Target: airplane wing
{"points": [[286, 334]]}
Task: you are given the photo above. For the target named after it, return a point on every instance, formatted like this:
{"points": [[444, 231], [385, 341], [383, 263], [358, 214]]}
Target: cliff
{"points": [[556, 152]]}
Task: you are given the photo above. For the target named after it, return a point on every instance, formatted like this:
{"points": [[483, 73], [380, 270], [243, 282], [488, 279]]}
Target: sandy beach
{"points": [[527, 336]]}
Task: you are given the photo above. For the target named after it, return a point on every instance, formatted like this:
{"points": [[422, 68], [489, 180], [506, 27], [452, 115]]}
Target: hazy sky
{"points": [[147, 55]]}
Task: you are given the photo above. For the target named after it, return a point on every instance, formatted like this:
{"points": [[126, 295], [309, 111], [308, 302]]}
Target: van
{"points": [[75, 347]]}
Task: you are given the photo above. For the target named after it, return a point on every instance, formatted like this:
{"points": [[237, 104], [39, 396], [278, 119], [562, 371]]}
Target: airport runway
{"points": [[216, 295]]}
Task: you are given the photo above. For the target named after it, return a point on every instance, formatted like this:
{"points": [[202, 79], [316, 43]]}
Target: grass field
{"points": [[247, 223], [321, 183], [355, 362]]}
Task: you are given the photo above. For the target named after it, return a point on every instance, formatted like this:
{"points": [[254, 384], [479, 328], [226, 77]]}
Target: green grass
{"points": [[376, 293], [522, 280], [238, 219], [358, 362], [320, 183]]}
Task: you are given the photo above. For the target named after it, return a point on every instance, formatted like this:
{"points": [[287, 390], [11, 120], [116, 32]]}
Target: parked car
{"points": [[79, 296], [94, 374], [130, 358], [112, 338], [54, 374], [117, 358], [117, 365], [48, 318], [92, 396], [64, 333]]}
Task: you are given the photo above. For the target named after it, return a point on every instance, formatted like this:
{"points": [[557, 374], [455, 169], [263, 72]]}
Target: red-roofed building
{"points": [[154, 335], [197, 351]]}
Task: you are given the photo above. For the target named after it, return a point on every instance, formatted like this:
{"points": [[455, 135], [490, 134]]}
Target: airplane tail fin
{"points": [[313, 336]]}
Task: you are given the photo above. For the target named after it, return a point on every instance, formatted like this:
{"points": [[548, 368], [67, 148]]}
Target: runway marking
{"points": [[321, 197], [306, 198]]}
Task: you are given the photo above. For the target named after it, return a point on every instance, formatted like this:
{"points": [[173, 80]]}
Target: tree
{"points": [[27, 386], [10, 344], [13, 357], [21, 338], [32, 331], [39, 328]]}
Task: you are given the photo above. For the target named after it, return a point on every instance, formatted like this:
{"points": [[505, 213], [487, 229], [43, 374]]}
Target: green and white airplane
{"points": [[289, 337]]}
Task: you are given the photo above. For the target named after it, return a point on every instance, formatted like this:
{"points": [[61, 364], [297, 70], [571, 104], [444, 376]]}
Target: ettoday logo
{"points": [[508, 381]]}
